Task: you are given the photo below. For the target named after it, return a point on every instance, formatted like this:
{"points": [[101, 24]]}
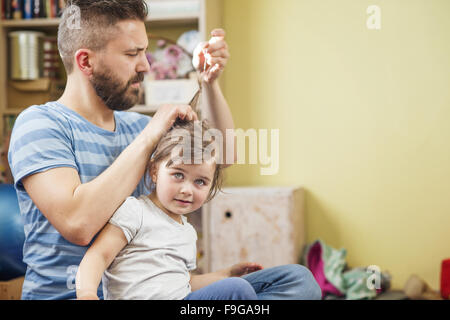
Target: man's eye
{"points": [[132, 54]]}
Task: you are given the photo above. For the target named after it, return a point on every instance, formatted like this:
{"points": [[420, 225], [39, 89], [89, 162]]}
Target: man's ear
{"points": [[83, 60]]}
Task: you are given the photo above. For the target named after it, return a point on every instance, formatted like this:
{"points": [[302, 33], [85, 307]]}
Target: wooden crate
{"points": [[263, 225], [12, 289]]}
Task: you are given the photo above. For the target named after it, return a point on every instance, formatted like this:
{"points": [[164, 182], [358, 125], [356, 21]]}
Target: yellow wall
{"points": [[363, 117]]}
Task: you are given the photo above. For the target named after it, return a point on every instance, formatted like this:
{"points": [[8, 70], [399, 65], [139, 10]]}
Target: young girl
{"points": [[148, 248]]}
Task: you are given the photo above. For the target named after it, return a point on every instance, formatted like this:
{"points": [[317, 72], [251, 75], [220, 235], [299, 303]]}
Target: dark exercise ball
{"points": [[11, 235]]}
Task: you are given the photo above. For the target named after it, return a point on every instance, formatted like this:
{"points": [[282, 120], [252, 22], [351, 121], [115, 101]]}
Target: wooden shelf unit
{"points": [[169, 20], [208, 18], [24, 23]]}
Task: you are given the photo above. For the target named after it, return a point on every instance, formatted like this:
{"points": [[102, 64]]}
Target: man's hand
{"points": [[165, 117], [244, 268], [210, 58]]}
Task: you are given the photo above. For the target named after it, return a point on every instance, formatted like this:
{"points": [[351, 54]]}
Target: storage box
{"points": [[177, 91], [262, 225], [169, 8], [12, 289]]}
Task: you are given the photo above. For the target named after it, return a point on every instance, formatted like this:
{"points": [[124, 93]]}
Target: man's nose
{"points": [[143, 65]]}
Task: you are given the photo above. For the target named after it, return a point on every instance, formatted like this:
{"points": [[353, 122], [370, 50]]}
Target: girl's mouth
{"points": [[183, 202]]}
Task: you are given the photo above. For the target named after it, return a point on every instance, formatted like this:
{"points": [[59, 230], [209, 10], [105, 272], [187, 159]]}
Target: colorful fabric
{"points": [[328, 264], [356, 287]]}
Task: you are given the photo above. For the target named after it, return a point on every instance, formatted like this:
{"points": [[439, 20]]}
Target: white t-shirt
{"points": [[156, 262]]}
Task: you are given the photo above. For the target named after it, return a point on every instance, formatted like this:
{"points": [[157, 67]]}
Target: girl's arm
{"points": [[202, 280], [237, 270], [98, 257]]}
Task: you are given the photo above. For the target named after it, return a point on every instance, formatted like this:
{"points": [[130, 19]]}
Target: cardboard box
{"points": [[12, 289]]}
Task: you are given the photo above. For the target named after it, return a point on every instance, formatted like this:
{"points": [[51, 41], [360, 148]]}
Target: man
{"points": [[75, 160]]}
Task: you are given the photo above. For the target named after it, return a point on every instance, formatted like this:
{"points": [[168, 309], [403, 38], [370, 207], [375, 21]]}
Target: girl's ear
{"points": [[153, 170]]}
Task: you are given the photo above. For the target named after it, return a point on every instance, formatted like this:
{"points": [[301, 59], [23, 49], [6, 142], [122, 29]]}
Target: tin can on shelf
{"points": [[26, 55]]}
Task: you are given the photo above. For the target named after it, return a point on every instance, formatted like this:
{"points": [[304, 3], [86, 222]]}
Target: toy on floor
{"points": [[11, 235], [445, 279], [417, 289], [336, 280]]}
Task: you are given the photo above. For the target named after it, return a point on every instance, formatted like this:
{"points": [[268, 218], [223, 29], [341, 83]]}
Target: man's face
{"points": [[120, 68]]}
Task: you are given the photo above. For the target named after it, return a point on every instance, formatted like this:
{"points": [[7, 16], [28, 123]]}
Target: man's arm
{"points": [[218, 113], [215, 107], [79, 211]]}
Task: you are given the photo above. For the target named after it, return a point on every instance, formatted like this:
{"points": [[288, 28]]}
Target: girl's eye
{"points": [[132, 55], [200, 182], [178, 175]]}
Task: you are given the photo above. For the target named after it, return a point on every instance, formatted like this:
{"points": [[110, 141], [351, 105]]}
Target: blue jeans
{"points": [[287, 282]]}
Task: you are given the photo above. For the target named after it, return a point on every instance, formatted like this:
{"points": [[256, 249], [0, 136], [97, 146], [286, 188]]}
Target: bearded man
{"points": [[75, 160]]}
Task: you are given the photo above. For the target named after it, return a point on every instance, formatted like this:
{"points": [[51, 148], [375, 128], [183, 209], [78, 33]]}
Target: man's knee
{"points": [[240, 289]]}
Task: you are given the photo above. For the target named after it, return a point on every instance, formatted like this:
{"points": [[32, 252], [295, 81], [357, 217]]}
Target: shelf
{"points": [[144, 109], [170, 19], [12, 112], [23, 23], [160, 20], [38, 85], [138, 108]]}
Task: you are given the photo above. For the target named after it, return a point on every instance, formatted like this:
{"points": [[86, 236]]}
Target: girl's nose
{"points": [[186, 189]]}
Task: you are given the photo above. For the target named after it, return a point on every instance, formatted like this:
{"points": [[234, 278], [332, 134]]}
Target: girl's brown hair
{"points": [[176, 138]]}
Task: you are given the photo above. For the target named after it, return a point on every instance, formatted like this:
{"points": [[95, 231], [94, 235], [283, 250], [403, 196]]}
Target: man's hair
{"points": [[175, 138], [95, 27]]}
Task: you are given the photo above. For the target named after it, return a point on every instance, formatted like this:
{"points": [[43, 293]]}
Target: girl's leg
{"points": [[287, 282], [227, 289]]}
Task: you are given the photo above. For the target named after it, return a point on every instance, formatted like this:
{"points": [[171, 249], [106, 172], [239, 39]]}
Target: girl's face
{"points": [[182, 188]]}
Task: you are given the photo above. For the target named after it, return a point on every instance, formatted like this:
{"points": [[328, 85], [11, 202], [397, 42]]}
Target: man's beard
{"points": [[112, 93]]}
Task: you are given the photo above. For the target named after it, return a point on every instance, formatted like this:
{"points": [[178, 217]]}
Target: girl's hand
{"points": [[88, 297], [244, 268], [210, 58]]}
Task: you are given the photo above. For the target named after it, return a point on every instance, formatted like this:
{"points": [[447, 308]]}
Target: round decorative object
{"points": [[11, 235]]}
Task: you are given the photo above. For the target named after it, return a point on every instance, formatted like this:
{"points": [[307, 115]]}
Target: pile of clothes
{"points": [[336, 280]]}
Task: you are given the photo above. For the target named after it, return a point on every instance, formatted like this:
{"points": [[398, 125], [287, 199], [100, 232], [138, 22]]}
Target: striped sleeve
{"points": [[39, 142]]}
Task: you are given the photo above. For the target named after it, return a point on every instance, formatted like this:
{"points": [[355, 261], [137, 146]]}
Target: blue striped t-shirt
{"points": [[50, 136]]}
